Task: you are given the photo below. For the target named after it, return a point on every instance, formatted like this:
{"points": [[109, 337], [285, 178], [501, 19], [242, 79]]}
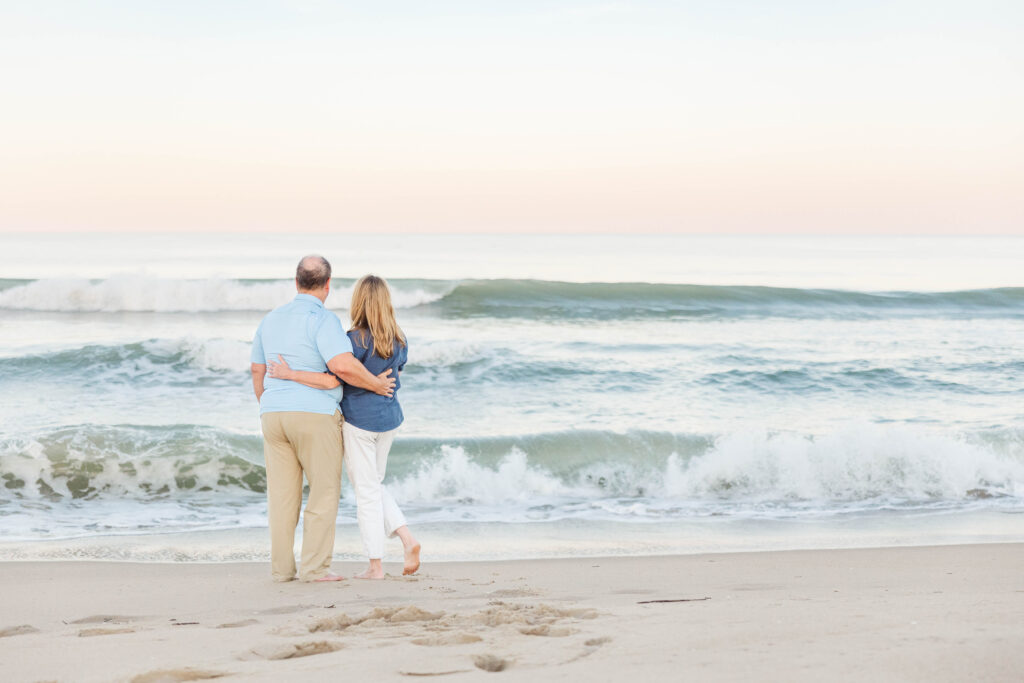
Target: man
{"points": [[302, 425]]}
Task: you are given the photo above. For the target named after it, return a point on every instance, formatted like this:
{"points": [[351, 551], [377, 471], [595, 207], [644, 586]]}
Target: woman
{"points": [[371, 421]]}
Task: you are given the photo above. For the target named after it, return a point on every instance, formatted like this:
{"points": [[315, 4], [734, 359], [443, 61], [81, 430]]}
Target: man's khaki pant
{"points": [[293, 443]]}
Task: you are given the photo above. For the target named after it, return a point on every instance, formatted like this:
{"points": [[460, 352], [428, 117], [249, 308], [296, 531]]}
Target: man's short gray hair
{"points": [[313, 273]]}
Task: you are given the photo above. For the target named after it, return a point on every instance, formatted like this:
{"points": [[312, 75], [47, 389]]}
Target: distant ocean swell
{"points": [[193, 358], [535, 299], [146, 294], [861, 467], [191, 361]]}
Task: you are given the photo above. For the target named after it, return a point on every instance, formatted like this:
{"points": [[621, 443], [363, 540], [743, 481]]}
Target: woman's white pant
{"points": [[366, 458]]}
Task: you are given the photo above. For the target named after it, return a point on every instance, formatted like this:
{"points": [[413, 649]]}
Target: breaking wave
{"points": [[191, 361], [503, 298], [544, 476], [544, 299], [148, 294], [173, 359]]}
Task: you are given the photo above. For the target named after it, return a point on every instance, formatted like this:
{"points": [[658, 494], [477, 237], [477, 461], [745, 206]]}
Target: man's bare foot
{"points": [[371, 573], [330, 577], [412, 559]]}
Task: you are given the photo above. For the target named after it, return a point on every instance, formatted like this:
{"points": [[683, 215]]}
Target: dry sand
{"points": [[950, 613]]}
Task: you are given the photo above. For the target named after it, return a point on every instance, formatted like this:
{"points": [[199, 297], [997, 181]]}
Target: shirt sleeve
{"points": [[331, 339], [257, 355]]}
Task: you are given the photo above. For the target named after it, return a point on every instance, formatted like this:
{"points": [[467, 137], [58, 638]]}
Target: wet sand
{"points": [[946, 613]]}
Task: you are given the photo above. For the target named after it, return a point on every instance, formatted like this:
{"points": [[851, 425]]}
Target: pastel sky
{"points": [[846, 116]]}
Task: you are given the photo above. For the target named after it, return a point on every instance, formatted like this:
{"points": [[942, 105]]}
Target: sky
{"points": [[726, 116]]}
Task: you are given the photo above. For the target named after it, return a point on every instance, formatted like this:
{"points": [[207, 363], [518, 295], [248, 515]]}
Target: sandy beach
{"points": [[946, 613]]}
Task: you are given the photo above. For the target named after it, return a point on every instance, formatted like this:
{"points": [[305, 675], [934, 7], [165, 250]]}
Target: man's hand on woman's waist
{"points": [[351, 371]]}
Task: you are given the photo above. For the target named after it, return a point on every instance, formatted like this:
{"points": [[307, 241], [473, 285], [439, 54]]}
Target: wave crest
{"points": [[171, 359], [133, 361], [129, 462], [499, 298], [132, 293], [545, 299], [860, 467], [890, 465], [866, 465]]}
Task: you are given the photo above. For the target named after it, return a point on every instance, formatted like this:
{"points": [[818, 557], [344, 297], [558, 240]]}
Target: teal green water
{"points": [[656, 411]]}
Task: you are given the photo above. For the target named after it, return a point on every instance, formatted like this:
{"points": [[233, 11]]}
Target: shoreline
{"points": [[947, 612], [494, 541], [393, 557]]}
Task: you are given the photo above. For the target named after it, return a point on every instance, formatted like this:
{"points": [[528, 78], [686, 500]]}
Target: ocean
{"points": [[565, 395]]}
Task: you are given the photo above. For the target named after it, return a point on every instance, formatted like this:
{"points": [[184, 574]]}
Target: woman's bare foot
{"points": [[412, 550], [412, 559], [375, 571]]}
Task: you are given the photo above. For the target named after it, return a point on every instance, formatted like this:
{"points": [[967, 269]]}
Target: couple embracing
{"points": [[325, 393]]}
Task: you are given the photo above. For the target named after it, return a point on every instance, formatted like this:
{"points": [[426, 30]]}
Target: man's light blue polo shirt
{"points": [[307, 335]]}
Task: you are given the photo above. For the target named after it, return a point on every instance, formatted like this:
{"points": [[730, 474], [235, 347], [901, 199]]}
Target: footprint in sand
{"points": [[88, 632], [17, 630], [380, 615], [546, 630], [400, 614], [513, 593], [176, 676], [106, 619], [435, 673], [293, 650], [499, 613], [590, 647], [239, 624], [447, 639], [491, 663], [287, 609]]}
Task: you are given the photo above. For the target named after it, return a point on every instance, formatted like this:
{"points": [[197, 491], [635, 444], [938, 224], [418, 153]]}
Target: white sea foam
{"points": [[892, 463], [233, 354], [455, 477], [139, 293], [135, 293], [128, 470], [193, 477], [870, 464], [861, 464], [447, 353], [205, 354]]}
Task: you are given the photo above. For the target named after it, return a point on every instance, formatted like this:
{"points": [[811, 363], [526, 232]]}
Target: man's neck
{"points": [[320, 294]]}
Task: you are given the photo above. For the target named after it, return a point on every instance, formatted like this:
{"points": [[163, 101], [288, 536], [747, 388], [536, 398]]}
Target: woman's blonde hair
{"points": [[372, 313]]}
